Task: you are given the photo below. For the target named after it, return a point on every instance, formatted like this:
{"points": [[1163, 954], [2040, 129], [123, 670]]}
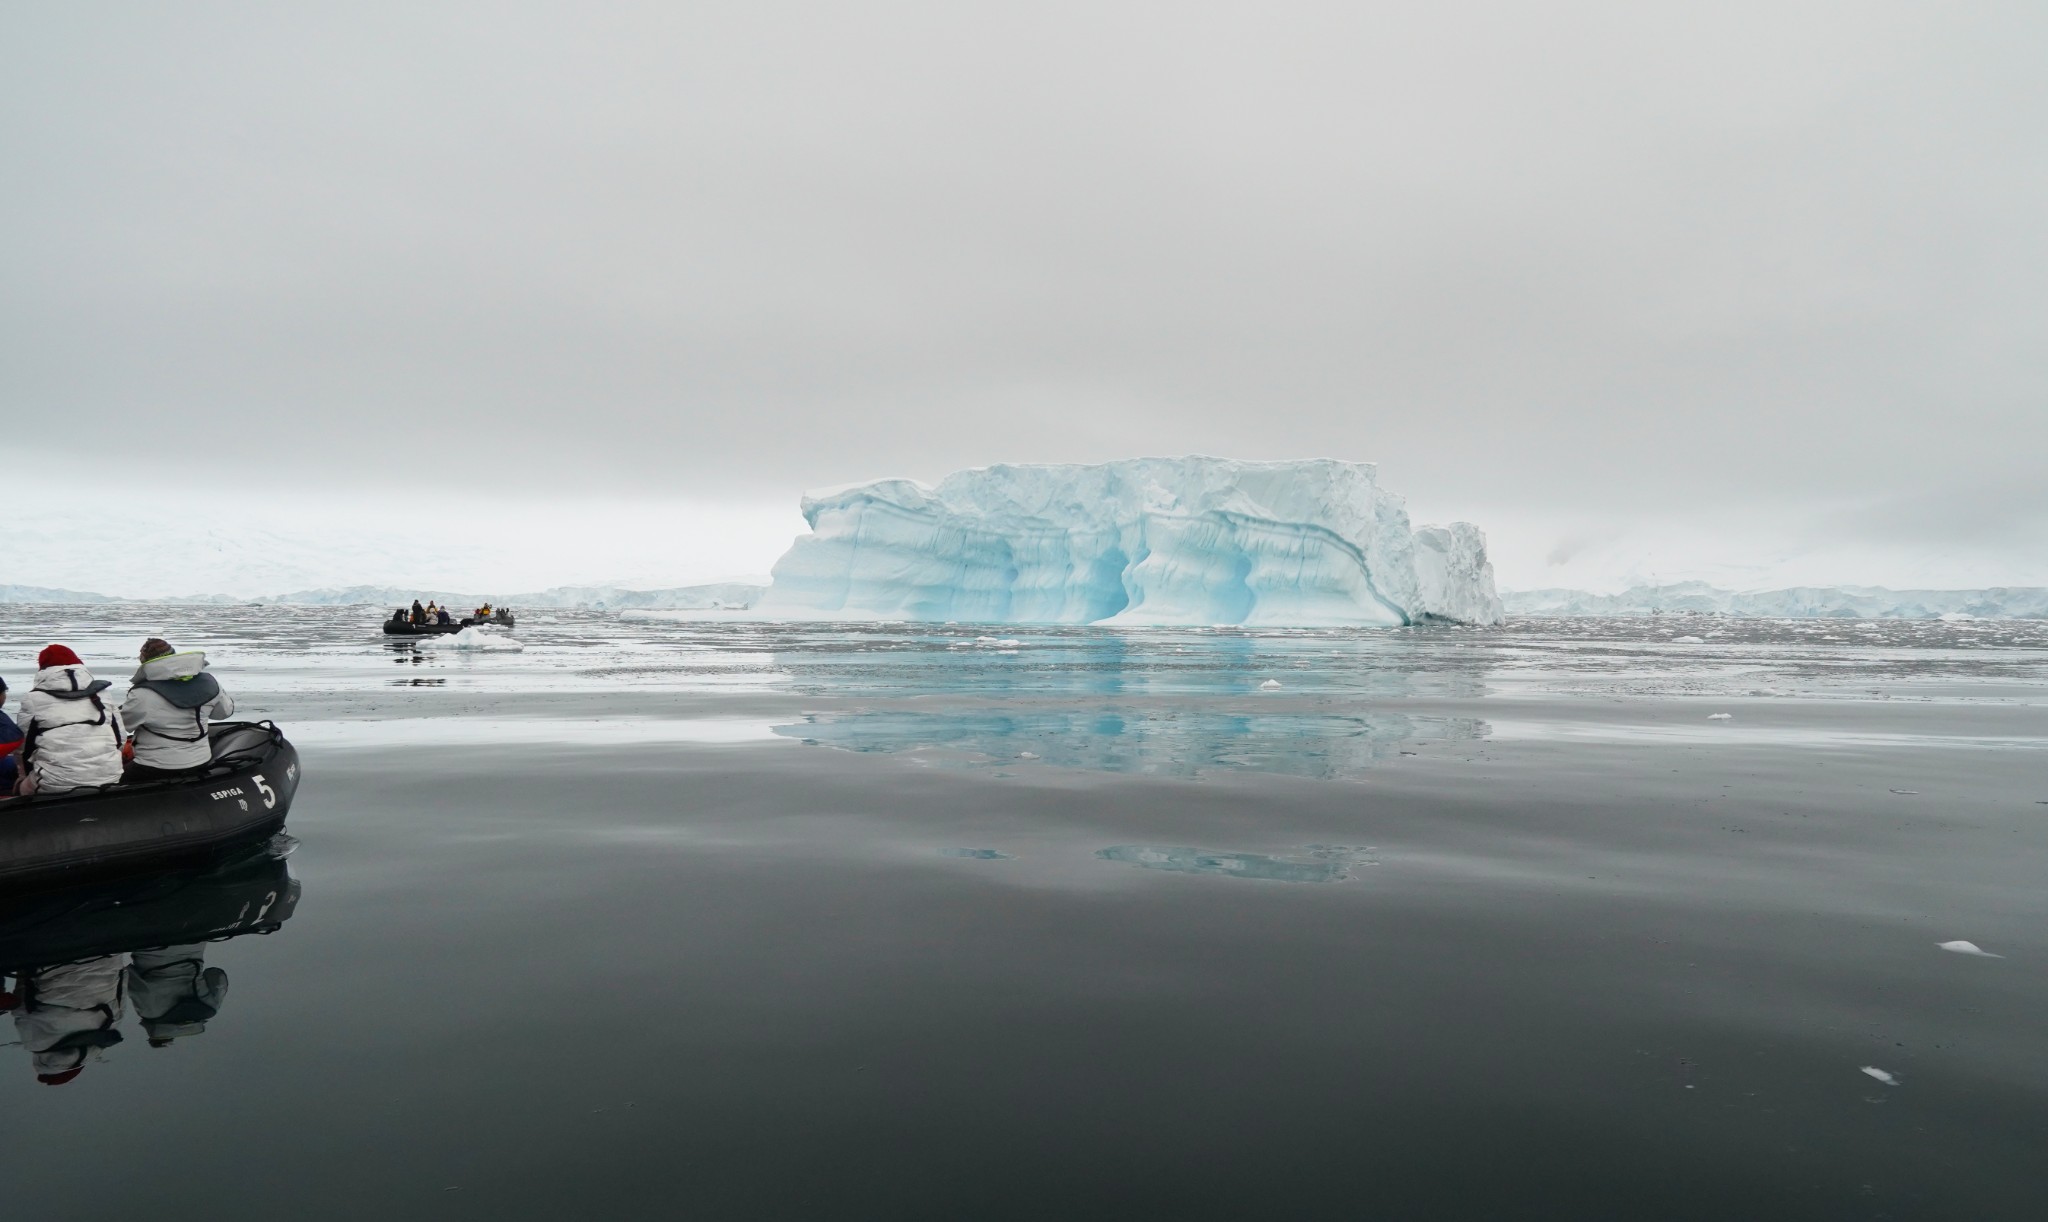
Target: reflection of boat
{"points": [[240, 798], [255, 894], [400, 627], [81, 957]]}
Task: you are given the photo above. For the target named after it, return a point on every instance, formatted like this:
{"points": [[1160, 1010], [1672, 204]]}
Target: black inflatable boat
{"points": [[395, 627], [241, 798]]}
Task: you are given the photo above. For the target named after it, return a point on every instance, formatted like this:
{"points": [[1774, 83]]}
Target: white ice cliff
{"points": [[1141, 541], [1798, 602]]}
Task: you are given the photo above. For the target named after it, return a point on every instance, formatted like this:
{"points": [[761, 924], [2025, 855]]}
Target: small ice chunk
{"points": [[1961, 947], [1270, 685], [1720, 717], [474, 639], [1881, 1075], [1688, 639], [1911, 793]]}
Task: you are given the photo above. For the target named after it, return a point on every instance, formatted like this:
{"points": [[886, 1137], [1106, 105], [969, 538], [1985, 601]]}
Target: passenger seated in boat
{"points": [[441, 616], [170, 701], [10, 748], [419, 613], [70, 738]]}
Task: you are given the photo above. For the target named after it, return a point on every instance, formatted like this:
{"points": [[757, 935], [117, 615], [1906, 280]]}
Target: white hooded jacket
{"points": [[73, 737], [172, 733]]}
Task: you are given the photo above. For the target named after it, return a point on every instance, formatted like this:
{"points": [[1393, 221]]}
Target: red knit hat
{"points": [[57, 655]]}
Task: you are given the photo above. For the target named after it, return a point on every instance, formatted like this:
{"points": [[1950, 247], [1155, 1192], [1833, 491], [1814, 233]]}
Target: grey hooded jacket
{"points": [[168, 709]]}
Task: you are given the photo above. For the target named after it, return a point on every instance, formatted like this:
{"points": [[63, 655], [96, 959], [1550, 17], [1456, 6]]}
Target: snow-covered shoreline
{"points": [[1795, 602]]}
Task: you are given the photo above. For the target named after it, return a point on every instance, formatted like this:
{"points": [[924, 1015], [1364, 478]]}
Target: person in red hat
{"points": [[71, 738]]}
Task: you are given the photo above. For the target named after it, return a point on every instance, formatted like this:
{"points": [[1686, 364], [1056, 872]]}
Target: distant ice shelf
{"points": [[1153, 541], [1797, 602]]}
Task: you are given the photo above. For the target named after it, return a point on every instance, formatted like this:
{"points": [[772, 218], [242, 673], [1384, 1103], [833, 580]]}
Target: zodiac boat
{"points": [[498, 619], [241, 798]]}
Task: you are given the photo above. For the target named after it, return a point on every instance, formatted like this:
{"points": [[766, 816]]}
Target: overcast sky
{"points": [[1677, 286]]}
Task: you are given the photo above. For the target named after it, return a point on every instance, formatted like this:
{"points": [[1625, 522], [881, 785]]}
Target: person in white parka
{"points": [[71, 739], [168, 707]]}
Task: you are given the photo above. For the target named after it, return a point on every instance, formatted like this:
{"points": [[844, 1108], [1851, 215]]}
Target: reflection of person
{"points": [[66, 1014], [169, 703], [174, 992]]}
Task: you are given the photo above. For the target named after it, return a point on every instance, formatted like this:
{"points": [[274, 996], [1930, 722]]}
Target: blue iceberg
{"points": [[1154, 541]]}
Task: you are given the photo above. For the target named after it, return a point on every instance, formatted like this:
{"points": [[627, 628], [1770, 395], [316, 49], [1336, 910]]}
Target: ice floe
{"points": [[1961, 947], [475, 639]]}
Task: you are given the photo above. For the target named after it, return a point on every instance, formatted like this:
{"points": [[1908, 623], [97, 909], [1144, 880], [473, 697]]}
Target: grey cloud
{"points": [[1573, 255]]}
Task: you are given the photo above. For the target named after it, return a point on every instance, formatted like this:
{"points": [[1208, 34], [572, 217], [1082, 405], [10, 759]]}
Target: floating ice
{"points": [[1961, 947], [1319, 864], [474, 639], [1880, 1075], [1911, 793], [1688, 639], [1720, 717], [1188, 541], [1270, 685]]}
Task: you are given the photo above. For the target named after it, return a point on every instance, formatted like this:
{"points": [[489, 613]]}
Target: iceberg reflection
{"points": [[1171, 743], [1316, 864]]}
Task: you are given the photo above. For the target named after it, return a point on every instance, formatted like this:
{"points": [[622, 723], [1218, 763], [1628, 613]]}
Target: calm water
{"points": [[663, 919]]}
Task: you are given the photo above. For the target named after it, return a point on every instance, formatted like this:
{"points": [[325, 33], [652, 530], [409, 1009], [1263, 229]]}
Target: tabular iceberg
{"points": [[1194, 541]]}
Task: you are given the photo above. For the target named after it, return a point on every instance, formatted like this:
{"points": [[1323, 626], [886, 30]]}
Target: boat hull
{"points": [[398, 628], [241, 798]]}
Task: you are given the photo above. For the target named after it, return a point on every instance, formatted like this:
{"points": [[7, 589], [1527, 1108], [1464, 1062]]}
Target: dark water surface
{"points": [[666, 919]]}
